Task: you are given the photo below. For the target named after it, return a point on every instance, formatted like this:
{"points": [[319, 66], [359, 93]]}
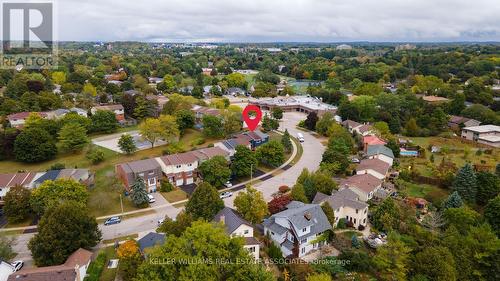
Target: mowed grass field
{"points": [[105, 194]]}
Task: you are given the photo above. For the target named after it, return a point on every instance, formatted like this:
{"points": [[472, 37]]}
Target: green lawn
{"points": [[175, 195], [430, 192], [109, 274]]}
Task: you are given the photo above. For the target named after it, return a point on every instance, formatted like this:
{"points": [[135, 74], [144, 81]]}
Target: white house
{"points": [[236, 226], [6, 269], [485, 134], [375, 167], [364, 185], [345, 204], [17, 120], [296, 230], [380, 152], [179, 168]]}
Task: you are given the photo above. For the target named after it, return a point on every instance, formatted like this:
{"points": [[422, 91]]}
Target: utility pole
{"points": [[251, 174]]}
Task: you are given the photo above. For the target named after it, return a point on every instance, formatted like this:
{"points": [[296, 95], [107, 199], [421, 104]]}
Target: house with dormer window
{"points": [[298, 228]]}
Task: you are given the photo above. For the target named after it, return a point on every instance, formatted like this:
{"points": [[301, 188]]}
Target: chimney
{"points": [[222, 219]]}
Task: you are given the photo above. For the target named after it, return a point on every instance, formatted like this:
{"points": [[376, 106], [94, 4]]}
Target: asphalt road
{"points": [[311, 158]]}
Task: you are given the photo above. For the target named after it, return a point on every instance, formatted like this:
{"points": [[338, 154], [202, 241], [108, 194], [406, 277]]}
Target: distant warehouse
{"points": [[304, 104]]}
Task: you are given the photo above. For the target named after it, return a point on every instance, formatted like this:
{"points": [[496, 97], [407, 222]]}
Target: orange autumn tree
{"points": [[130, 259]]}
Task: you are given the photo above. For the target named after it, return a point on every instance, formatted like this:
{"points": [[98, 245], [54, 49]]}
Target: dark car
{"points": [[113, 220]]}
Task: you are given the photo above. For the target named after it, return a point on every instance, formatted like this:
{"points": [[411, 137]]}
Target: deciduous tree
{"points": [[204, 203], [73, 137], [127, 144], [251, 205], [243, 161], [271, 154], [34, 145], [51, 193], [215, 171], [17, 204]]}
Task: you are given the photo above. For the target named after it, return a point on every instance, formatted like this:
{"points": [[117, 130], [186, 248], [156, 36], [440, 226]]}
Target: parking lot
{"points": [[111, 141]]}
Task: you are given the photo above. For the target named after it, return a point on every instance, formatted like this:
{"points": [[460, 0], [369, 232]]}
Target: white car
{"points": [[300, 137], [226, 194], [18, 265], [228, 184], [151, 198]]}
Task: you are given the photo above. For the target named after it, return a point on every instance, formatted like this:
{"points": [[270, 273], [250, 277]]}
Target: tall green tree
{"points": [[202, 241], [465, 183], [73, 137], [104, 121], [393, 258], [453, 201], [176, 227], [212, 126], [185, 119], [62, 230], [51, 193], [17, 204], [126, 144], [488, 186], [204, 203], [215, 171], [286, 142], [271, 153], [251, 205], [277, 113], [34, 145], [492, 214], [298, 193], [311, 120], [138, 192], [436, 263], [243, 161]]}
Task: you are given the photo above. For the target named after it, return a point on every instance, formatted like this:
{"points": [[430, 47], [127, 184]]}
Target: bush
{"points": [[349, 224], [361, 227], [166, 186], [57, 166], [96, 267], [173, 148], [95, 155], [198, 141], [284, 189], [341, 224]]}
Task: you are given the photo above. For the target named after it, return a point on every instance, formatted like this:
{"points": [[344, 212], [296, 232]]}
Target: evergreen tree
{"points": [[73, 137], [138, 192], [453, 201], [311, 120], [286, 142], [298, 193], [465, 183], [204, 203], [492, 214]]}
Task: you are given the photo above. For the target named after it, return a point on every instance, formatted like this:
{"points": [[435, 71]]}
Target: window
{"points": [[304, 229], [190, 164], [178, 166], [365, 211], [356, 211], [364, 221], [246, 231], [272, 233], [303, 250], [303, 241], [354, 221], [251, 249], [152, 181]]}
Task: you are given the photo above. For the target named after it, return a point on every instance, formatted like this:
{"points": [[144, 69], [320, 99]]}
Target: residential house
{"points": [[186, 90], [350, 125], [485, 134], [257, 138], [365, 185], [297, 229], [345, 204], [230, 145], [200, 111], [149, 170], [236, 226], [155, 80], [180, 168], [358, 128], [74, 269], [372, 140], [132, 92], [374, 167], [380, 152], [435, 99], [17, 120], [207, 71], [6, 269], [204, 154], [35, 179], [150, 240], [459, 122], [207, 89], [117, 109]]}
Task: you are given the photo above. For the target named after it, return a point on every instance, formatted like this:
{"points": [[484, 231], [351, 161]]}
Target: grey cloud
{"points": [[279, 20]]}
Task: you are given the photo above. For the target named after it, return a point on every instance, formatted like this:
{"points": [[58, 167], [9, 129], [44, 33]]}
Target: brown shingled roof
{"points": [[365, 182], [374, 164]]}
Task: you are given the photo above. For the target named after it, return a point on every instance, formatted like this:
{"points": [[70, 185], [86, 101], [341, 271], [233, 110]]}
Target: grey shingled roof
{"points": [[379, 149], [150, 240], [342, 198], [231, 219], [295, 214]]}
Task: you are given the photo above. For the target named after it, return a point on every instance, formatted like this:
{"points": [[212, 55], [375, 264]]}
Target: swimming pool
{"points": [[409, 153]]}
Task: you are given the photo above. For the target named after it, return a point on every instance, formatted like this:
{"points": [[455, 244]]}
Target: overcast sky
{"points": [[279, 20]]}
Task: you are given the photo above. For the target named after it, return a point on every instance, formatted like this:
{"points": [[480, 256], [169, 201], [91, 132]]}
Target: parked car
{"points": [[226, 194], [151, 198], [113, 220], [18, 265], [355, 160], [228, 184]]}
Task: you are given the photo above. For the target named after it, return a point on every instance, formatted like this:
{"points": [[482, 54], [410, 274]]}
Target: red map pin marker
{"points": [[252, 122]]}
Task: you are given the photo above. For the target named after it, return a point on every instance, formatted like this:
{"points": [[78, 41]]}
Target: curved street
{"points": [[312, 152]]}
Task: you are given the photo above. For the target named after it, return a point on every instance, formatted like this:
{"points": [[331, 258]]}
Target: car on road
{"points": [[226, 194], [113, 220], [300, 137], [151, 198], [228, 184], [355, 160], [17, 265]]}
